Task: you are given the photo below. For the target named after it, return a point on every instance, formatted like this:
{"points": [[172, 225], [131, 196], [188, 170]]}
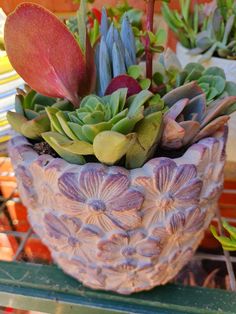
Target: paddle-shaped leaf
{"points": [[46, 55]]}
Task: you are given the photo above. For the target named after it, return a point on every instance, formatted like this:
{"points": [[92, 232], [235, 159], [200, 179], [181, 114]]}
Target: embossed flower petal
{"points": [[176, 223], [149, 248], [126, 220], [189, 192], [69, 186], [136, 236], [159, 232], [90, 232], [90, 180], [102, 220], [25, 177], [159, 274], [183, 174], [125, 265], [71, 207], [110, 249], [163, 176], [61, 227], [95, 277], [195, 219], [77, 265], [123, 281], [147, 184], [51, 175], [114, 185], [129, 200]]}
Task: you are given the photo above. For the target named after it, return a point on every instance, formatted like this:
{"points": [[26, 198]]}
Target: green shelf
{"points": [[46, 288]]}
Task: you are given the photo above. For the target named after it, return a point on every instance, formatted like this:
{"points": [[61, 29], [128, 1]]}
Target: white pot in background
{"points": [[229, 66]]}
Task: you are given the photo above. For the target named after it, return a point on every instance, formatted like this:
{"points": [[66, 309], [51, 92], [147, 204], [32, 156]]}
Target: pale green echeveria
{"points": [[111, 128], [228, 242], [211, 80], [30, 118]]}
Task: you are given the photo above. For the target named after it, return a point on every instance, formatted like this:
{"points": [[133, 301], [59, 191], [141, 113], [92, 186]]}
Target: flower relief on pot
{"points": [[120, 167]]}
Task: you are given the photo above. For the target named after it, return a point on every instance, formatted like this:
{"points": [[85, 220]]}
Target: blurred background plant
{"points": [[208, 29], [228, 241]]}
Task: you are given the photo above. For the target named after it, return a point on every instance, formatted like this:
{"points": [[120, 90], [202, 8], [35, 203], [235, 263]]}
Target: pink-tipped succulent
{"points": [[47, 56], [188, 119]]}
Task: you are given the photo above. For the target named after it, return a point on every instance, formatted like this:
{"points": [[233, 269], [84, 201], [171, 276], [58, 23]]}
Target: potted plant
{"points": [[120, 182]]}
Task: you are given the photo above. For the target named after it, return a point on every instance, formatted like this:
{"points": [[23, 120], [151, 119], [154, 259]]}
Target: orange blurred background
{"points": [[69, 6]]}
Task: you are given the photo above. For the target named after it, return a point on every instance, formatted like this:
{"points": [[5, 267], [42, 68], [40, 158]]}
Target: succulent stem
{"points": [[149, 27]]}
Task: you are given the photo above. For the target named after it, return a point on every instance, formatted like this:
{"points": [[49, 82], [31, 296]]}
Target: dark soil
{"points": [[44, 148]]}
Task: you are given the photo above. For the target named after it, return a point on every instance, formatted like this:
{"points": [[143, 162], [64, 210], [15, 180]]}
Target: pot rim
{"points": [[186, 50], [193, 153]]}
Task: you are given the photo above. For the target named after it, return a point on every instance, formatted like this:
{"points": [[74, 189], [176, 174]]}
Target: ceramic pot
{"points": [[121, 230], [229, 66]]}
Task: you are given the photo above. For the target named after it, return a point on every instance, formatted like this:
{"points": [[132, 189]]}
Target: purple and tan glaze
{"points": [[121, 230]]}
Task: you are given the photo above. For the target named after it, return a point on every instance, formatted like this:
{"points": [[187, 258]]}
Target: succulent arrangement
{"points": [[92, 102], [124, 117], [207, 29]]}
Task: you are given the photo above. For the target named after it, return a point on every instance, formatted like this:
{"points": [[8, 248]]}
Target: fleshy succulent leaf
{"points": [[148, 134], [56, 140], [104, 23], [128, 39], [91, 130], [48, 46], [118, 61], [77, 129], [228, 244], [105, 70], [211, 128], [109, 146], [34, 128], [19, 99], [173, 134], [139, 100], [16, 120], [218, 107], [82, 31], [64, 124], [51, 112], [30, 114], [191, 129], [123, 81], [189, 90]]}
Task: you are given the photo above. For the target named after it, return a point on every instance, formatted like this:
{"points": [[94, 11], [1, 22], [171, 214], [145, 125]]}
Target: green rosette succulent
{"points": [[212, 81], [109, 127], [228, 242], [30, 117]]}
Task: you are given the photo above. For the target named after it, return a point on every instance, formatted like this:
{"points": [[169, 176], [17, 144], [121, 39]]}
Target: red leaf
{"points": [[45, 53], [123, 81], [97, 14]]}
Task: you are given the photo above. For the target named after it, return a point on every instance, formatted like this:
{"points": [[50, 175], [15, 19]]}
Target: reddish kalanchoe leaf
{"points": [[45, 53], [123, 81]]}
